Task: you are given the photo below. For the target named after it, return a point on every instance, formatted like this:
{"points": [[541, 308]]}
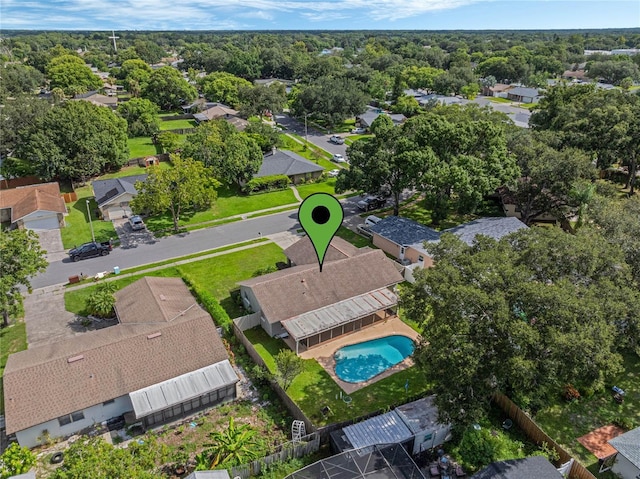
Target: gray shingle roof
{"points": [[105, 190], [536, 467], [302, 251], [404, 231], [495, 228], [285, 162], [523, 91], [628, 444]]}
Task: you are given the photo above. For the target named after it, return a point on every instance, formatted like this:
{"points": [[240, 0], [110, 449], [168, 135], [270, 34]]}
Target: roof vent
{"points": [[154, 335], [75, 358], [163, 297]]}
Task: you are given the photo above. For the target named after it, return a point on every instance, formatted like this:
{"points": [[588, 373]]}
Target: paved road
{"points": [[314, 136]]}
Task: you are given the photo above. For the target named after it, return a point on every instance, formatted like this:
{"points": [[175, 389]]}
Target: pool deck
{"points": [[324, 353]]}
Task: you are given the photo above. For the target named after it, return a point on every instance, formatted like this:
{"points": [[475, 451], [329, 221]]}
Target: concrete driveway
{"points": [[51, 242], [128, 237]]}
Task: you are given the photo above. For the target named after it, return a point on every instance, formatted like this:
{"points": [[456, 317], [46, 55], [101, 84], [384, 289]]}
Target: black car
{"points": [[371, 203], [89, 250]]}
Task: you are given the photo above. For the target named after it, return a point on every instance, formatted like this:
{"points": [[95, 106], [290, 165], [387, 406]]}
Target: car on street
{"points": [[333, 173], [338, 158], [338, 140], [359, 131], [89, 250], [371, 203], [136, 223]]}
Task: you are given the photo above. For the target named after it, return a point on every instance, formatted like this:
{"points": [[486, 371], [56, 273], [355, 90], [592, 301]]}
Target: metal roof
{"points": [[328, 317], [182, 388], [383, 429]]}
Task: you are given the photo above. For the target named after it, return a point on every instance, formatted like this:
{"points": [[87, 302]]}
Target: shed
{"points": [[421, 417], [383, 429]]}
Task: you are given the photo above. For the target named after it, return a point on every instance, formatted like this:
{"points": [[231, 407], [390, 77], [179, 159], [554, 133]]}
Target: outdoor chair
{"points": [[326, 411], [507, 424], [434, 470]]}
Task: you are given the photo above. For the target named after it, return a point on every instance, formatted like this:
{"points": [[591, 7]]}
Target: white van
{"points": [[371, 220]]}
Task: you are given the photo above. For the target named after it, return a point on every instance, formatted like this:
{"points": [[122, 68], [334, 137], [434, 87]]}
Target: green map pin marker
{"points": [[320, 215]]}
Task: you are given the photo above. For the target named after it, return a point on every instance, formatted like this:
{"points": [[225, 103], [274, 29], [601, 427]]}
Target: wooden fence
{"points": [[306, 445], [537, 435], [70, 197], [184, 116]]}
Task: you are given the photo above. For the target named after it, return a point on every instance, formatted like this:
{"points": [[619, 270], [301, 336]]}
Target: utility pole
{"points": [[306, 138], [93, 236]]}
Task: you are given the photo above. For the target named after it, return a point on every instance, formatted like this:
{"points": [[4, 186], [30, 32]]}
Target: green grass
{"points": [[217, 275], [308, 150], [78, 229], [141, 146], [229, 203], [496, 99], [528, 106], [133, 170], [322, 187], [565, 422], [313, 388], [12, 339], [353, 138], [177, 124], [418, 212], [345, 127], [353, 238]]}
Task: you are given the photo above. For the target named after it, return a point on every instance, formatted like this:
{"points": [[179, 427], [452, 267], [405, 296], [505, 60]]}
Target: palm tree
{"points": [[235, 445]]}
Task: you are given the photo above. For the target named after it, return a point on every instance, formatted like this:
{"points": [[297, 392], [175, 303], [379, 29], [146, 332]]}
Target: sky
{"points": [[317, 14]]}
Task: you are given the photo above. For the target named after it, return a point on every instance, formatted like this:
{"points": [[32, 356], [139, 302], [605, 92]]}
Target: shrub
{"points": [[571, 393], [266, 183], [210, 304], [101, 302], [16, 460]]}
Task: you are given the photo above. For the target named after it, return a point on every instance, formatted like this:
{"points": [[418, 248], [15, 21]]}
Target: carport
{"points": [[315, 327]]}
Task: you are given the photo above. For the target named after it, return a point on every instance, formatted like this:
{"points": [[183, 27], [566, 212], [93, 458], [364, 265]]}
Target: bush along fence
{"points": [[266, 183], [210, 303], [537, 435], [292, 449]]}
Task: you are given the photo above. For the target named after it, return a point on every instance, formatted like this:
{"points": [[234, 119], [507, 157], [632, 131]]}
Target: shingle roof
{"points": [[27, 199], [495, 228], [285, 162], [302, 251], [48, 381], [368, 117], [404, 231], [523, 91], [106, 190], [300, 289], [628, 444], [97, 99], [535, 467]]}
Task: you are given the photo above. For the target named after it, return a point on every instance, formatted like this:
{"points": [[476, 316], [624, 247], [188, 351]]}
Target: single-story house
{"points": [[164, 360], [34, 207], [535, 467], [218, 111], [442, 100], [414, 425], [302, 251], [98, 99], [578, 75], [627, 460], [367, 118], [313, 307], [493, 227], [114, 196], [499, 90], [523, 94], [511, 209], [285, 162]]}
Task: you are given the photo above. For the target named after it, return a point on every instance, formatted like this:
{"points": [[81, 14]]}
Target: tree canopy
{"points": [[141, 115], [167, 89], [223, 87], [72, 75]]}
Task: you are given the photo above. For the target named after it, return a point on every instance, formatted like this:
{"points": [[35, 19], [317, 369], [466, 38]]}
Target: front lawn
{"points": [[177, 124], [307, 150], [354, 238], [565, 422], [314, 389], [78, 229], [350, 140], [13, 339], [418, 212], [322, 187], [217, 275], [142, 146]]}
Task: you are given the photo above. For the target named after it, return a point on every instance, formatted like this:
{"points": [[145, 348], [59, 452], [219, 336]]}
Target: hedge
{"points": [[210, 303], [266, 183]]}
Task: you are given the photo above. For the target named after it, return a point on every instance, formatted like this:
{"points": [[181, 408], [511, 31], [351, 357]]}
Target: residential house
{"points": [[114, 196], [33, 207], [98, 99], [302, 251], [499, 90], [314, 307], [523, 94], [442, 100], [164, 360], [510, 208], [368, 117], [627, 460], [493, 227], [535, 467], [288, 84], [218, 111], [285, 162], [575, 75]]}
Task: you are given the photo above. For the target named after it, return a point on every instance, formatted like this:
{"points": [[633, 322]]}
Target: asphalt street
{"points": [[314, 136]]}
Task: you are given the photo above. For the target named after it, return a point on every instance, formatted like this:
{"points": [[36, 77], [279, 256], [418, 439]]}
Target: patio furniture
{"points": [[326, 411], [434, 470], [459, 471], [507, 424]]}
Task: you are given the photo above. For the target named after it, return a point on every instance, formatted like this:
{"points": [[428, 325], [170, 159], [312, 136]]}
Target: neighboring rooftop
{"points": [[27, 199], [404, 231], [495, 228], [535, 467], [106, 190], [383, 429], [285, 162], [420, 415], [628, 444], [524, 91], [303, 252]]}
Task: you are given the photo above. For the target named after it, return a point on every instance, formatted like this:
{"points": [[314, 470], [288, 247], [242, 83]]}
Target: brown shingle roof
{"points": [[40, 384], [27, 199], [293, 291], [302, 252]]}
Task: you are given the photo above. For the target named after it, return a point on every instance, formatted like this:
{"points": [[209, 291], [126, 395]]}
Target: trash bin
{"points": [[116, 270], [74, 279]]}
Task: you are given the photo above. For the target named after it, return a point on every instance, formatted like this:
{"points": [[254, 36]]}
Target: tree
{"points": [[261, 99], [141, 115], [407, 105], [264, 134], [223, 87], [288, 366], [525, 315], [231, 447], [189, 184], [75, 140], [18, 78], [16, 460], [18, 116], [20, 259], [613, 71], [102, 300], [169, 142], [149, 51], [70, 73], [135, 75], [167, 89]]}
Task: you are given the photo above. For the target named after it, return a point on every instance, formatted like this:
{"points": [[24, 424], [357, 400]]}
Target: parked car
{"points": [[371, 220], [338, 140], [364, 231], [136, 223], [338, 158], [333, 173], [371, 203], [89, 250], [359, 131]]}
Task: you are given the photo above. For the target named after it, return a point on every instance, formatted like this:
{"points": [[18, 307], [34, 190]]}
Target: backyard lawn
{"points": [[177, 124], [133, 170], [12, 339], [314, 389], [217, 275], [565, 422], [78, 229], [141, 146], [310, 152]]}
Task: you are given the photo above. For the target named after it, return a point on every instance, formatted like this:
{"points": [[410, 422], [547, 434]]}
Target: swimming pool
{"points": [[360, 362]]}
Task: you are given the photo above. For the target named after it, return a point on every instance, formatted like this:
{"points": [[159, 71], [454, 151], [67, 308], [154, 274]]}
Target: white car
{"points": [[338, 140], [333, 173], [359, 131], [338, 158]]}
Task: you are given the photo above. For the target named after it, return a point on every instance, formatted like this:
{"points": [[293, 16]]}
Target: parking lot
{"points": [[130, 238]]}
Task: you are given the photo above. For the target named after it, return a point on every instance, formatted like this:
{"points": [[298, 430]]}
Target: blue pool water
{"points": [[362, 361]]}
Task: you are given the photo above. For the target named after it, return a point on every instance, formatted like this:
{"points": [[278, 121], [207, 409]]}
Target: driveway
{"points": [[51, 242], [129, 238]]}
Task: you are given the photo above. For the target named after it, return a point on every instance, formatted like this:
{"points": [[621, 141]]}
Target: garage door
{"points": [[48, 223], [117, 212]]}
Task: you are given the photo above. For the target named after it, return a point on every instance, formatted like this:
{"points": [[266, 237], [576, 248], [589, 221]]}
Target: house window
{"points": [[420, 259], [69, 418], [77, 416], [64, 420], [427, 437], [402, 249], [110, 401]]}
